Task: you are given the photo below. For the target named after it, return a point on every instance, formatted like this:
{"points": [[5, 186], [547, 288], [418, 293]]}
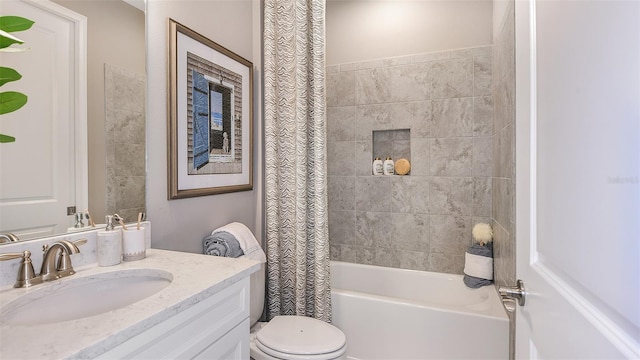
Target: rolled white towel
{"points": [[248, 242], [478, 266]]}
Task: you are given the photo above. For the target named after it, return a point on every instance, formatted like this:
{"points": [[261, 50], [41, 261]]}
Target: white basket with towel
{"points": [[233, 240], [478, 259]]}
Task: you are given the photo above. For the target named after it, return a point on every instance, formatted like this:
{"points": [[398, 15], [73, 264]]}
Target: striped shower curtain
{"points": [[298, 281]]}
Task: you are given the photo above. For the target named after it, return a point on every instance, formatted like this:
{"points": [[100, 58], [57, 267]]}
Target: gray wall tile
{"points": [[483, 156], [422, 119], [451, 196], [413, 260], [393, 84], [503, 202], [482, 75], [373, 193], [503, 152], [347, 253], [451, 157], [341, 123], [386, 257], [420, 156], [450, 234], [446, 263], [341, 191], [409, 194], [471, 52], [482, 196], [342, 227], [409, 231], [341, 158], [365, 255], [483, 116], [343, 89], [124, 142], [452, 117], [503, 184], [452, 78], [364, 158]]}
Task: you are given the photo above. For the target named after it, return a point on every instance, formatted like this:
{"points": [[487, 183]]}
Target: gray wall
{"points": [[182, 224], [360, 30], [422, 220]]}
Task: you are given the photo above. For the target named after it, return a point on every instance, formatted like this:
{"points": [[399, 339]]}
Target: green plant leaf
{"points": [[8, 75], [15, 23], [6, 138], [6, 41], [11, 101]]}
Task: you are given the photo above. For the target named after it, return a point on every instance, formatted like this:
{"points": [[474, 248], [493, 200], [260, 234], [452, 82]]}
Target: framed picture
{"points": [[210, 122]]}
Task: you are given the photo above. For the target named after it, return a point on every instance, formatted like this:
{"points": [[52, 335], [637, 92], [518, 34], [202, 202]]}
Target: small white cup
{"points": [[133, 244]]}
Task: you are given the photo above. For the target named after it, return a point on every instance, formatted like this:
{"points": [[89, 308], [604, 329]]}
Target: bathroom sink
{"points": [[76, 298]]}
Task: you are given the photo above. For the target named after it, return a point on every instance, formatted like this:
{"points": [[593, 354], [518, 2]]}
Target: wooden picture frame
{"points": [[210, 117]]}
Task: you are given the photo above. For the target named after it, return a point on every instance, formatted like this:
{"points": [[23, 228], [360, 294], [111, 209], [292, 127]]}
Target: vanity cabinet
{"points": [[214, 328]]}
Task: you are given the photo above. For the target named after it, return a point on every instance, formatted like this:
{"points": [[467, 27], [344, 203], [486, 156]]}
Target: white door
{"points": [[578, 178], [44, 170]]}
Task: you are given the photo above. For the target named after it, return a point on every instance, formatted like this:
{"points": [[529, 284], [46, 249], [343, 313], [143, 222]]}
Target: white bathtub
{"points": [[389, 313]]}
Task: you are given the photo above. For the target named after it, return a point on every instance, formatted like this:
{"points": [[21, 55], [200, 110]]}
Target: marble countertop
{"points": [[195, 277]]}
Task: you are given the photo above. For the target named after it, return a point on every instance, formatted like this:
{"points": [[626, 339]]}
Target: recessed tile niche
{"points": [[394, 143]]}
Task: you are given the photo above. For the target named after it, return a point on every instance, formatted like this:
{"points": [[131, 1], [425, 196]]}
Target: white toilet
{"points": [[291, 337]]}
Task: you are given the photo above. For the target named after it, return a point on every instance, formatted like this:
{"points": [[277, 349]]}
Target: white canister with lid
{"points": [[109, 245]]}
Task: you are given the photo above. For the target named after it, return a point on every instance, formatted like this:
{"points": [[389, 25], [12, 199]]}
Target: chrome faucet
{"points": [[26, 276], [52, 269], [8, 237]]}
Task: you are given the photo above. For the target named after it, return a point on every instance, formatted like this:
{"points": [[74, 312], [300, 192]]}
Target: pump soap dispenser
{"points": [[109, 247], [388, 166]]}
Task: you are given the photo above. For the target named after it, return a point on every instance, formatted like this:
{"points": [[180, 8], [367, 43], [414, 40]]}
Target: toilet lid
{"points": [[301, 335]]}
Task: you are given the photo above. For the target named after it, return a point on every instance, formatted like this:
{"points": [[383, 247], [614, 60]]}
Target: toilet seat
{"points": [[300, 337]]}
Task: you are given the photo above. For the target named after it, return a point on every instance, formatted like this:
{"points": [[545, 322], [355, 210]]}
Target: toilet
{"points": [[290, 337]]}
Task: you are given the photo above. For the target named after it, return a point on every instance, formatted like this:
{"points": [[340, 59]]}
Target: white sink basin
{"points": [[75, 298]]}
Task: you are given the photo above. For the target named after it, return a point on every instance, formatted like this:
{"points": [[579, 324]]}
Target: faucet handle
{"points": [[79, 242], [64, 266], [26, 276]]}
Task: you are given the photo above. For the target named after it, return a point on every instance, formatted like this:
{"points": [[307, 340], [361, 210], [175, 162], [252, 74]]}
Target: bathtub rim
{"points": [[496, 310]]}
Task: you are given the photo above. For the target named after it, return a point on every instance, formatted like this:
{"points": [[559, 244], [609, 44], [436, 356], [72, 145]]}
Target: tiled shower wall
{"points": [[125, 142], [503, 191], [422, 220], [504, 151]]}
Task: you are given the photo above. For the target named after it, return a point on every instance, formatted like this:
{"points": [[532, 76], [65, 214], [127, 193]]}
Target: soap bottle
{"points": [[109, 246], [377, 166], [388, 166]]}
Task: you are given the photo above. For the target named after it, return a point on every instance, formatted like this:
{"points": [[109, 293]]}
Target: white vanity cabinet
{"points": [[202, 314], [215, 328]]}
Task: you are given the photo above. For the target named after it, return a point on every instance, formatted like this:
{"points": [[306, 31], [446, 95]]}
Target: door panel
{"points": [[44, 170], [577, 178]]}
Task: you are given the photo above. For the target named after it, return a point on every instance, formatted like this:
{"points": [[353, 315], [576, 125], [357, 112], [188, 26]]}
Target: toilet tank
{"points": [[256, 301]]}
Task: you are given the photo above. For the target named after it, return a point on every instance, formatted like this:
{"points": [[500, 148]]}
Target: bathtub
{"points": [[389, 313]]}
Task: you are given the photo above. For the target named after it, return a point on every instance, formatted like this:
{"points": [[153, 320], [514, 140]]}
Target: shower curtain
{"points": [[298, 281]]}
